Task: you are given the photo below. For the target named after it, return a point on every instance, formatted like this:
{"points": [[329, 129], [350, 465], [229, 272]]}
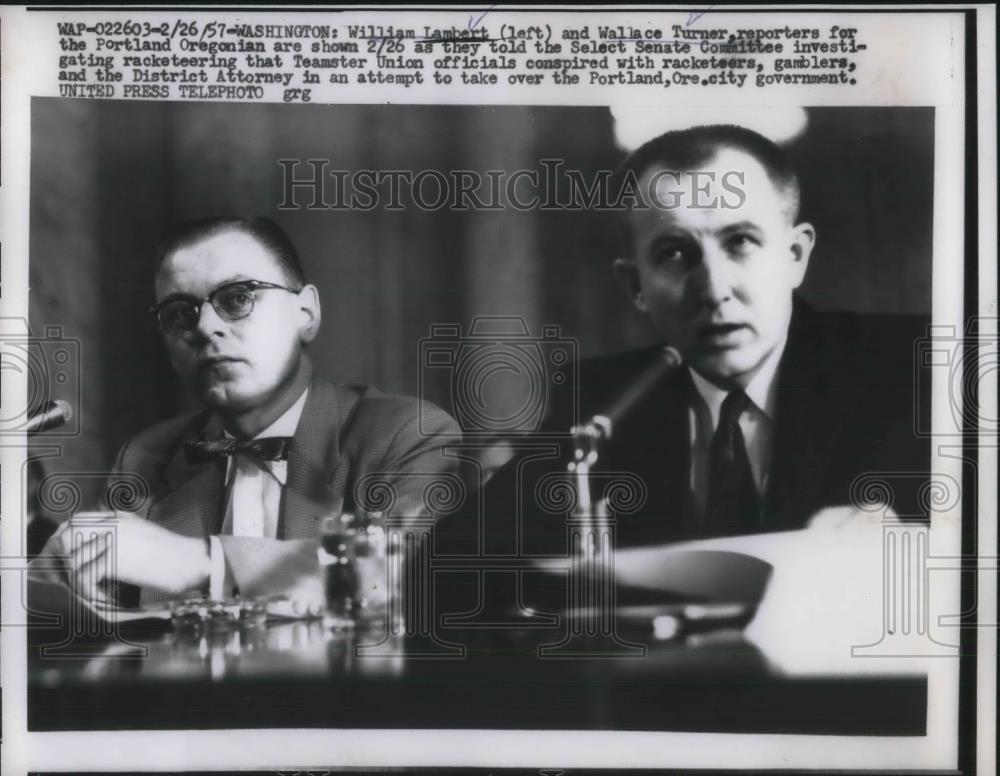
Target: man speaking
{"points": [[237, 491], [776, 410]]}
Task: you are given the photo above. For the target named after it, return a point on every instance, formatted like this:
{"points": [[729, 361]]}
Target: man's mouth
{"points": [[722, 334], [208, 362]]}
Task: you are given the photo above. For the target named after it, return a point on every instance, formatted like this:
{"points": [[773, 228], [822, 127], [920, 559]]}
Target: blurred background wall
{"points": [[108, 176]]}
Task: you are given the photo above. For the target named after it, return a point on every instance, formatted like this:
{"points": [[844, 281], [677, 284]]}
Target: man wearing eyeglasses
{"points": [[238, 491]]}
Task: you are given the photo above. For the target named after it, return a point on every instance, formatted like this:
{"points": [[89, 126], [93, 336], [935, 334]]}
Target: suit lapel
{"points": [[677, 455], [193, 505], [809, 421], [314, 460], [653, 444]]}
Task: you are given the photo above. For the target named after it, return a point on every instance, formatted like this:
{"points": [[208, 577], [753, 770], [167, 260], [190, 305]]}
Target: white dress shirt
{"points": [[254, 488], [756, 423]]}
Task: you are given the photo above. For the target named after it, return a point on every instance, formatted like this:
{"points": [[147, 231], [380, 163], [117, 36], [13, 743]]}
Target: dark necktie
{"points": [[265, 449], [732, 506]]}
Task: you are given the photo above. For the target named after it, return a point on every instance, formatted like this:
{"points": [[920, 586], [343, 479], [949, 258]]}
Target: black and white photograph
{"points": [[470, 432]]}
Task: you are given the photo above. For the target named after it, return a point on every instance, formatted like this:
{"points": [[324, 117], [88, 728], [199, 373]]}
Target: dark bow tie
{"points": [[266, 449]]}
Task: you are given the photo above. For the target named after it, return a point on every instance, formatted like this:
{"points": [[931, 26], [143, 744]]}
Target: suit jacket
{"points": [[847, 399], [351, 444]]}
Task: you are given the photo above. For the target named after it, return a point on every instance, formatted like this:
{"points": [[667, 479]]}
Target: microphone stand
{"points": [[586, 450], [593, 621]]}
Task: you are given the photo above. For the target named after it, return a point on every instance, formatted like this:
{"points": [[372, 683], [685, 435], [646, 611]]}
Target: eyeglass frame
{"points": [[254, 285]]}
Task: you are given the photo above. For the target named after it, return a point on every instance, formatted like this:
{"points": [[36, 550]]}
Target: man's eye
{"points": [[740, 243], [235, 303], [179, 311], [238, 296], [670, 255]]}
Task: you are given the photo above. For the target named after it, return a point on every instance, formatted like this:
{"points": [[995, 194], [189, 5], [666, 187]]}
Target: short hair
{"points": [[685, 149], [265, 231]]}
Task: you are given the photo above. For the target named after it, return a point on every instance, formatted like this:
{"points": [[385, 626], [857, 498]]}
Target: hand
{"points": [[128, 548], [305, 599], [272, 568]]}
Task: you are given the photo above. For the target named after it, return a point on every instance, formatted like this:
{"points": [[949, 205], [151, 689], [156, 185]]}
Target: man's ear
{"points": [[627, 273], [803, 241], [309, 309]]}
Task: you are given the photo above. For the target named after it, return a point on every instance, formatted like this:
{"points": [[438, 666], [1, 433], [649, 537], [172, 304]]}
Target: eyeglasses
{"points": [[231, 301]]}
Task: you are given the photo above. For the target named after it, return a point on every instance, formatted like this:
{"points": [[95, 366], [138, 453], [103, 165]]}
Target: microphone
{"points": [[587, 441], [588, 436], [627, 400], [50, 415]]}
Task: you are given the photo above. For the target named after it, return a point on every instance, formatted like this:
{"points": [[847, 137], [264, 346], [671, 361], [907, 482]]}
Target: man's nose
{"points": [[714, 277], [210, 323]]}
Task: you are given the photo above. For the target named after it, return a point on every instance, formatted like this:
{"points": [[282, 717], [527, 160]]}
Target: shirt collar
{"points": [[762, 390], [285, 425]]}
